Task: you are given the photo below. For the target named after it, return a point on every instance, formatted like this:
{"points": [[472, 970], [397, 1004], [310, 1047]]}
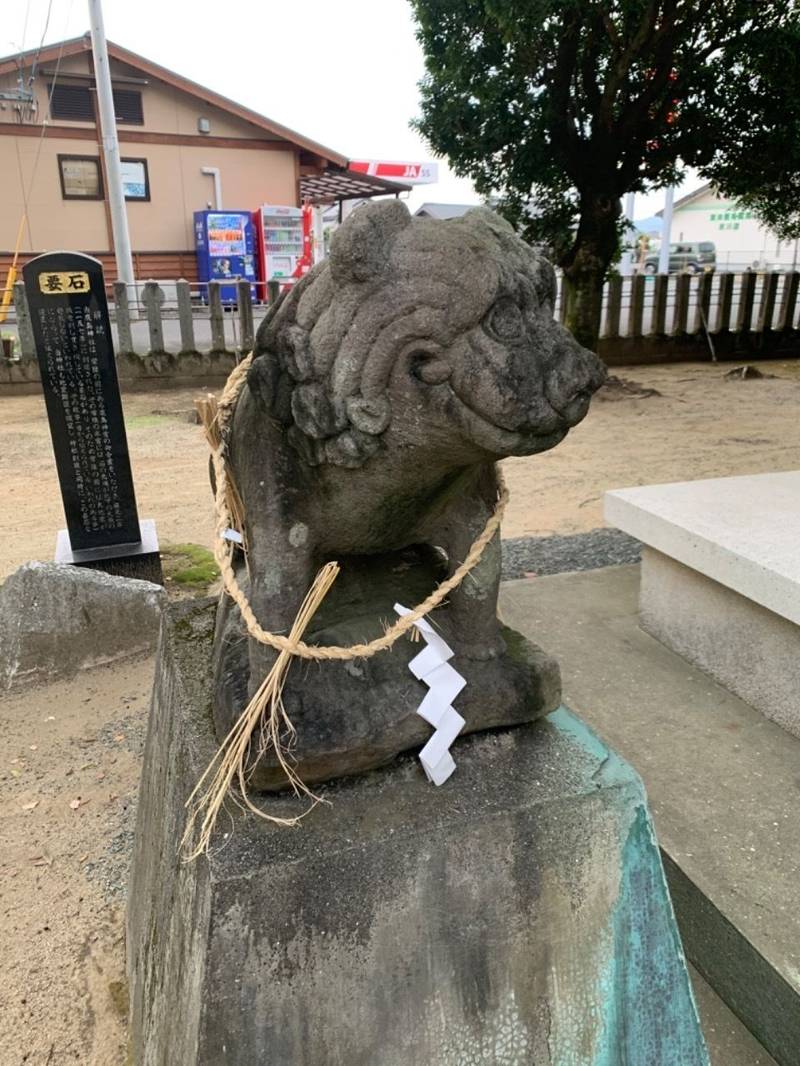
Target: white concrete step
{"points": [[743, 532], [721, 580]]}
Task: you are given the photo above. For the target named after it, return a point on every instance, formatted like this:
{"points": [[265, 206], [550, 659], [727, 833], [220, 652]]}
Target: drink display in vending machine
{"points": [[225, 245], [279, 243]]}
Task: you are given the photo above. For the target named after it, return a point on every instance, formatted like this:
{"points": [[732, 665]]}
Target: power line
{"points": [[24, 31], [45, 119], [41, 41]]}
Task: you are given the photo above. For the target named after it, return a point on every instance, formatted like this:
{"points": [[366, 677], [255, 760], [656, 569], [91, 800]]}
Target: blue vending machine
{"points": [[225, 245]]}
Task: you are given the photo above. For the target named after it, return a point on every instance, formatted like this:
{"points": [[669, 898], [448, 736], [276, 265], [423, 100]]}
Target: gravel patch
{"points": [[558, 554], [110, 871], [129, 731]]}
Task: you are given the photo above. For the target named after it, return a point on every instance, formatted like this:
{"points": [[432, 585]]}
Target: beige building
{"points": [[740, 241], [184, 148]]}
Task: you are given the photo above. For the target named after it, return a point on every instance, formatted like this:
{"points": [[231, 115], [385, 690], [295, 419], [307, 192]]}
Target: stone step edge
{"points": [[756, 992]]}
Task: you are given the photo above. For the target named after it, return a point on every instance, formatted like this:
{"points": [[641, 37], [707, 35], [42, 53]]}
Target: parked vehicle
{"points": [[695, 258]]}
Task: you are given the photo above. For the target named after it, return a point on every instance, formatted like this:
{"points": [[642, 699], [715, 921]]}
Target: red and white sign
{"points": [[407, 173]]}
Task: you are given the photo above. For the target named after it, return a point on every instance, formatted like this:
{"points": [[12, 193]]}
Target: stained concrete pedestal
{"points": [[518, 915]]}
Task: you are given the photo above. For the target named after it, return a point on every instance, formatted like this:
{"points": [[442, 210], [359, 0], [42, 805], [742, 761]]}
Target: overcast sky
{"points": [[344, 73]]}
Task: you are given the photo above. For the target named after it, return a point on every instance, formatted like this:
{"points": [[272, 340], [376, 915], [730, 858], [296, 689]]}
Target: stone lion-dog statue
{"points": [[385, 386]]}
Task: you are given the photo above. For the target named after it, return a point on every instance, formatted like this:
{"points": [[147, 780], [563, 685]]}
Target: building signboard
{"points": [[408, 173]]}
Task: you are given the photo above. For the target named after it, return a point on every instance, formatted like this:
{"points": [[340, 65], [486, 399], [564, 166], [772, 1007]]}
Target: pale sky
{"points": [[344, 74]]}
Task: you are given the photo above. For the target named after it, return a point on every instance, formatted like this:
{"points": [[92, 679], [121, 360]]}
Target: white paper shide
{"points": [[444, 684]]}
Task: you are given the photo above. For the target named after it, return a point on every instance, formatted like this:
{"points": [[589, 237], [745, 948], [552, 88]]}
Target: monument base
{"points": [[141, 561], [518, 914]]}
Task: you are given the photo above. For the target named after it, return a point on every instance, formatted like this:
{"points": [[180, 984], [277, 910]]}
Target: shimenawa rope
{"points": [[230, 762]]}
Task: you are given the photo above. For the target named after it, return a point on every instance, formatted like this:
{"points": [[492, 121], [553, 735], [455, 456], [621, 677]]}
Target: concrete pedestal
{"points": [[518, 915], [140, 561]]}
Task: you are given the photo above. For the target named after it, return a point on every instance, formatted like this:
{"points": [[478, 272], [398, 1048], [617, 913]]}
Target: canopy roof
{"points": [[333, 185]]}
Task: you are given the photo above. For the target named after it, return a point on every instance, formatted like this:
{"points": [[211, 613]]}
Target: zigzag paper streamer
{"points": [[444, 684]]}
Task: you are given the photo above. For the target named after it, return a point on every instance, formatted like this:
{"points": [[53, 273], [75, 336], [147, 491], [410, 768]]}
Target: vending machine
{"points": [[279, 243], [226, 249]]}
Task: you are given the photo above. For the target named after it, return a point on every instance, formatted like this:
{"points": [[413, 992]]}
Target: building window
{"points": [[128, 107], [135, 179], [81, 178], [72, 102]]}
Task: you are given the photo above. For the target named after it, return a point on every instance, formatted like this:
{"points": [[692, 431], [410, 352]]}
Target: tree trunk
{"points": [[583, 291], [586, 267]]}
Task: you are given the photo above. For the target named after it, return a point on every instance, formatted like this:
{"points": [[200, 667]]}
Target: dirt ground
{"points": [[700, 425], [70, 758], [70, 753]]}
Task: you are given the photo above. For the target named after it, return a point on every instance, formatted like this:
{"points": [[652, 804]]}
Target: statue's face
{"points": [[516, 381], [432, 335]]}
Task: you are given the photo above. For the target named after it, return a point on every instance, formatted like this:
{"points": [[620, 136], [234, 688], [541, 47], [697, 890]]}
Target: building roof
{"points": [[690, 197], [443, 210], [77, 45]]}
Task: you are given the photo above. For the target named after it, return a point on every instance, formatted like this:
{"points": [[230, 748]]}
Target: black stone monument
{"points": [[69, 315]]}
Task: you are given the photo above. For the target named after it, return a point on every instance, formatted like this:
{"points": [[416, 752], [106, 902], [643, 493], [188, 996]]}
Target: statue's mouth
{"points": [[500, 441], [530, 444]]}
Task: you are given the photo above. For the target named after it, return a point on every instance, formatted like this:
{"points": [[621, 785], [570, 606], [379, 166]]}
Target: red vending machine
{"points": [[279, 244]]}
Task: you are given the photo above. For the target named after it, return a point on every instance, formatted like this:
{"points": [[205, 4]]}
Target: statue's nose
{"points": [[576, 406], [577, 374]]}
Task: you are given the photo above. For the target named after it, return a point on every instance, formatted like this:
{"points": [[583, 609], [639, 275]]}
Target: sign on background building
{"points": [[408, 173]]}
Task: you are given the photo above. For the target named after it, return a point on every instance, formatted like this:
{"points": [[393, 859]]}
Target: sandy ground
{"points": [[70, 753], [700, 426], [70, 758]]}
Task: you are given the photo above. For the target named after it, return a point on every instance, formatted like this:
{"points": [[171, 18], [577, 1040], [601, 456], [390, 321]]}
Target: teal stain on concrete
{"points": [[643, 1012], [612, 769], [651, 1017]]}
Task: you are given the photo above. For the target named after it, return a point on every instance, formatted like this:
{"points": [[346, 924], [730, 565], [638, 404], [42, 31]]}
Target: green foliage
{"points": [[756, 146], [569, 104]]}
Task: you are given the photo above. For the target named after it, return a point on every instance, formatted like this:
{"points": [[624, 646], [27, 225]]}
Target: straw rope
{"points": [[224, 554], [229, 765]]}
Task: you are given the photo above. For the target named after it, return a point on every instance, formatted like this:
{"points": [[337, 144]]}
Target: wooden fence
{"points": [[184, 331]]}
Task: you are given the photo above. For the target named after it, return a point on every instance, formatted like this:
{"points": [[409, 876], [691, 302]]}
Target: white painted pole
{"points": [[214, 172], [666, 230], [319, 234], [108, 127], [626, 262]]}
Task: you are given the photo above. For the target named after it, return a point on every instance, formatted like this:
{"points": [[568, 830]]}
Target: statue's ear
{"points": [[361, 246], [484, 216]]}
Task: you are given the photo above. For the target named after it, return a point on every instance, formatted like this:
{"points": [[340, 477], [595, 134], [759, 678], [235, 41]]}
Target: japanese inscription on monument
{"points": [[79, 376], [69, 316]]}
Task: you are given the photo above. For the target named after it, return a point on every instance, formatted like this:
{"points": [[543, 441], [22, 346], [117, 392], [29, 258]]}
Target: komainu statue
{"points": [[384, 388]]}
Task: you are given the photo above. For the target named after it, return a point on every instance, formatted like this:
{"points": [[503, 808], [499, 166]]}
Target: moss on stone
{"points": [[118, 991], [190, 566]]}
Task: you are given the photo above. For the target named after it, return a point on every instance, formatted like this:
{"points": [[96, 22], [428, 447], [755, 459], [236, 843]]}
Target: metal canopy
{"points": [[333, 185]]}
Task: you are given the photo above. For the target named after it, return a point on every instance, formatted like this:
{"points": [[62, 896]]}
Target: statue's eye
{"points": [[504, 321], [428, 367]]}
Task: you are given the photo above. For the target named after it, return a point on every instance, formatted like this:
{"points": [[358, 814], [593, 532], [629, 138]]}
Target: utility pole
{"points": [[108, 127], [666, 230], [626, 262]]}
